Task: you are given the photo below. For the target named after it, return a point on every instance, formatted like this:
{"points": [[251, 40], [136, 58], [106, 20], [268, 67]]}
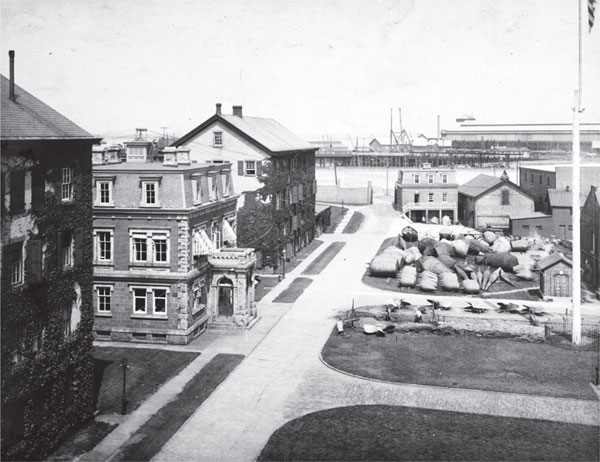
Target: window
{"points": [[145, 298], [140, 249], [430, 198], [104, 194], [538, 227], [17, 191], [104, 244], [526, 228], [218, 139], [444, 197], [548, 181], [149, 193], [15, 256], [197, 186], [570, 227], [139, 300], [104, 297], [226, 184], [67, 321], [66, 186], [417, 198], [505, 199], [430, 178], [444, 178], [160, 248], [216, 235], [250, 167], [150, 247], [416, 178], [136, 154], [159, 297], [200, 297], [66, 249]]}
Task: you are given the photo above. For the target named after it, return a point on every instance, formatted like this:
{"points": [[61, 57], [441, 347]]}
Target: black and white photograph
{"points": [[300, 230]]}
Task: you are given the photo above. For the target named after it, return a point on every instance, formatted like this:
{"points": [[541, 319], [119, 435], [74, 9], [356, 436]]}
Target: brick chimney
{"points": [[237, 111], [11, 91], [218, 108]]}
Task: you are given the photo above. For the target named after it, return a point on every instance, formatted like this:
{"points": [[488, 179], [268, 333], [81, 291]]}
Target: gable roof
{"points": [[552, 260], [28, 118], [267, 134], [479, 185]]}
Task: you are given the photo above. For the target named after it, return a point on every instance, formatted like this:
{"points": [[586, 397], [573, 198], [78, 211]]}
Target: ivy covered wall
{"points": [[47, 364], [284, 217]]}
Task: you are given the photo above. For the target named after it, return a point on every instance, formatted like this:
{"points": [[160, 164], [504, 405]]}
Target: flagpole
{"points": [[576, 335]]}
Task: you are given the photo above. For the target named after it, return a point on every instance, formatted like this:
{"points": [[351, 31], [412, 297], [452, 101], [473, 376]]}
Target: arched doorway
{"points": [[225, 297]]}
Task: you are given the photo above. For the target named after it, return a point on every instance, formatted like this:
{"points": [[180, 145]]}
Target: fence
{"points": [[560, 333], [349, 196]]}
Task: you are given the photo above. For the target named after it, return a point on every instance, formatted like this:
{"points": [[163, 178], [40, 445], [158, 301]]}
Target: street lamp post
{"points": [[283, 257], [124, 396]]}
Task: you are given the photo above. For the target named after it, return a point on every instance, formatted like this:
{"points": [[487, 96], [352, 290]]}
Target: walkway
{"points": [[283, 378]]}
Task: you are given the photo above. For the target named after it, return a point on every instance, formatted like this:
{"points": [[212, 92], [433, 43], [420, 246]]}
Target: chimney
{"points": [[11, 92], [237, 111], [218, 108]]}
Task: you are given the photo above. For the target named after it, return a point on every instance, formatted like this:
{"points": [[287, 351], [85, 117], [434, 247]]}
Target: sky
{"points": [[323, 68]]}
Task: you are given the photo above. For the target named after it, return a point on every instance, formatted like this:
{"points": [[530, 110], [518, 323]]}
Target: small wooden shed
{"points": [[557, 274]]}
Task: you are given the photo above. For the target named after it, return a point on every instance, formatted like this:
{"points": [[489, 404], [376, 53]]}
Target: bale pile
{"points": [[446, 262]]}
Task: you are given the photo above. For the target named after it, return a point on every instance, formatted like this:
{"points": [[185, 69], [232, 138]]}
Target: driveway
{"points": [[283, 378]]}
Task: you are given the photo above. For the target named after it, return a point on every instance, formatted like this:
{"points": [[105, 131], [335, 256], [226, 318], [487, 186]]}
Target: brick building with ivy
{"points": [[47, 313], [273, 168]]}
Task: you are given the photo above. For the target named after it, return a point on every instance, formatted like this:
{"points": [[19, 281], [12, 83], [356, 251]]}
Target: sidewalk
{"points": [[208, 344]]}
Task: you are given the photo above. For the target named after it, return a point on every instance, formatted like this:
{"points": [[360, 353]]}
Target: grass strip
{"points": [[151, 437], [294, 290], [321, 262], [382, 433], [354, 223], [148, 369]]}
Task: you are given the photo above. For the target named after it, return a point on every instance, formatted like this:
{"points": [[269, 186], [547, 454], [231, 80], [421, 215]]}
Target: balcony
{"points": [[429, 206]]}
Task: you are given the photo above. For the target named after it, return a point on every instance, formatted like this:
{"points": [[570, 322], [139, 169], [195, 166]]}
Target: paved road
{"points": [[283, 378]]}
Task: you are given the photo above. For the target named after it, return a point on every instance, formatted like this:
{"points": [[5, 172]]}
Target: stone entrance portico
{"points": [[231, 295]]}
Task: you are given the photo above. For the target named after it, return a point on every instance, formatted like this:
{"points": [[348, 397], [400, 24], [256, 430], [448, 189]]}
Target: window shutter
{"points": [[78, 244], [34, 260], [240, 168], [38, 187], [258, 168], [59, 251]]}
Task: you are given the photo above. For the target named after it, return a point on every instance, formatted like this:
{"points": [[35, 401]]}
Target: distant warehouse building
{"points": [[536, 137]]}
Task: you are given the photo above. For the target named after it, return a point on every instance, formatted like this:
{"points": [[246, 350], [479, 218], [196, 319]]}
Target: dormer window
{"points": [[150, 191], [218, 139], [104, 193]]}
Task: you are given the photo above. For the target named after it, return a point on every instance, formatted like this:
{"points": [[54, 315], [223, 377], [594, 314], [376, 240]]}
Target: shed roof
{"points": [[552, 260], [529, 216], [28, 118], [563, 198]]}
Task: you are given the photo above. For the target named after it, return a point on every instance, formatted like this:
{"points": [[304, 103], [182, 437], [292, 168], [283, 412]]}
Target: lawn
{"points": [[336, 217], [321, 262], [148, 369], [523, 290], [151, 437], [294, 290], [373, 433], [354, 223], [266, 284], [464, 361]]}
